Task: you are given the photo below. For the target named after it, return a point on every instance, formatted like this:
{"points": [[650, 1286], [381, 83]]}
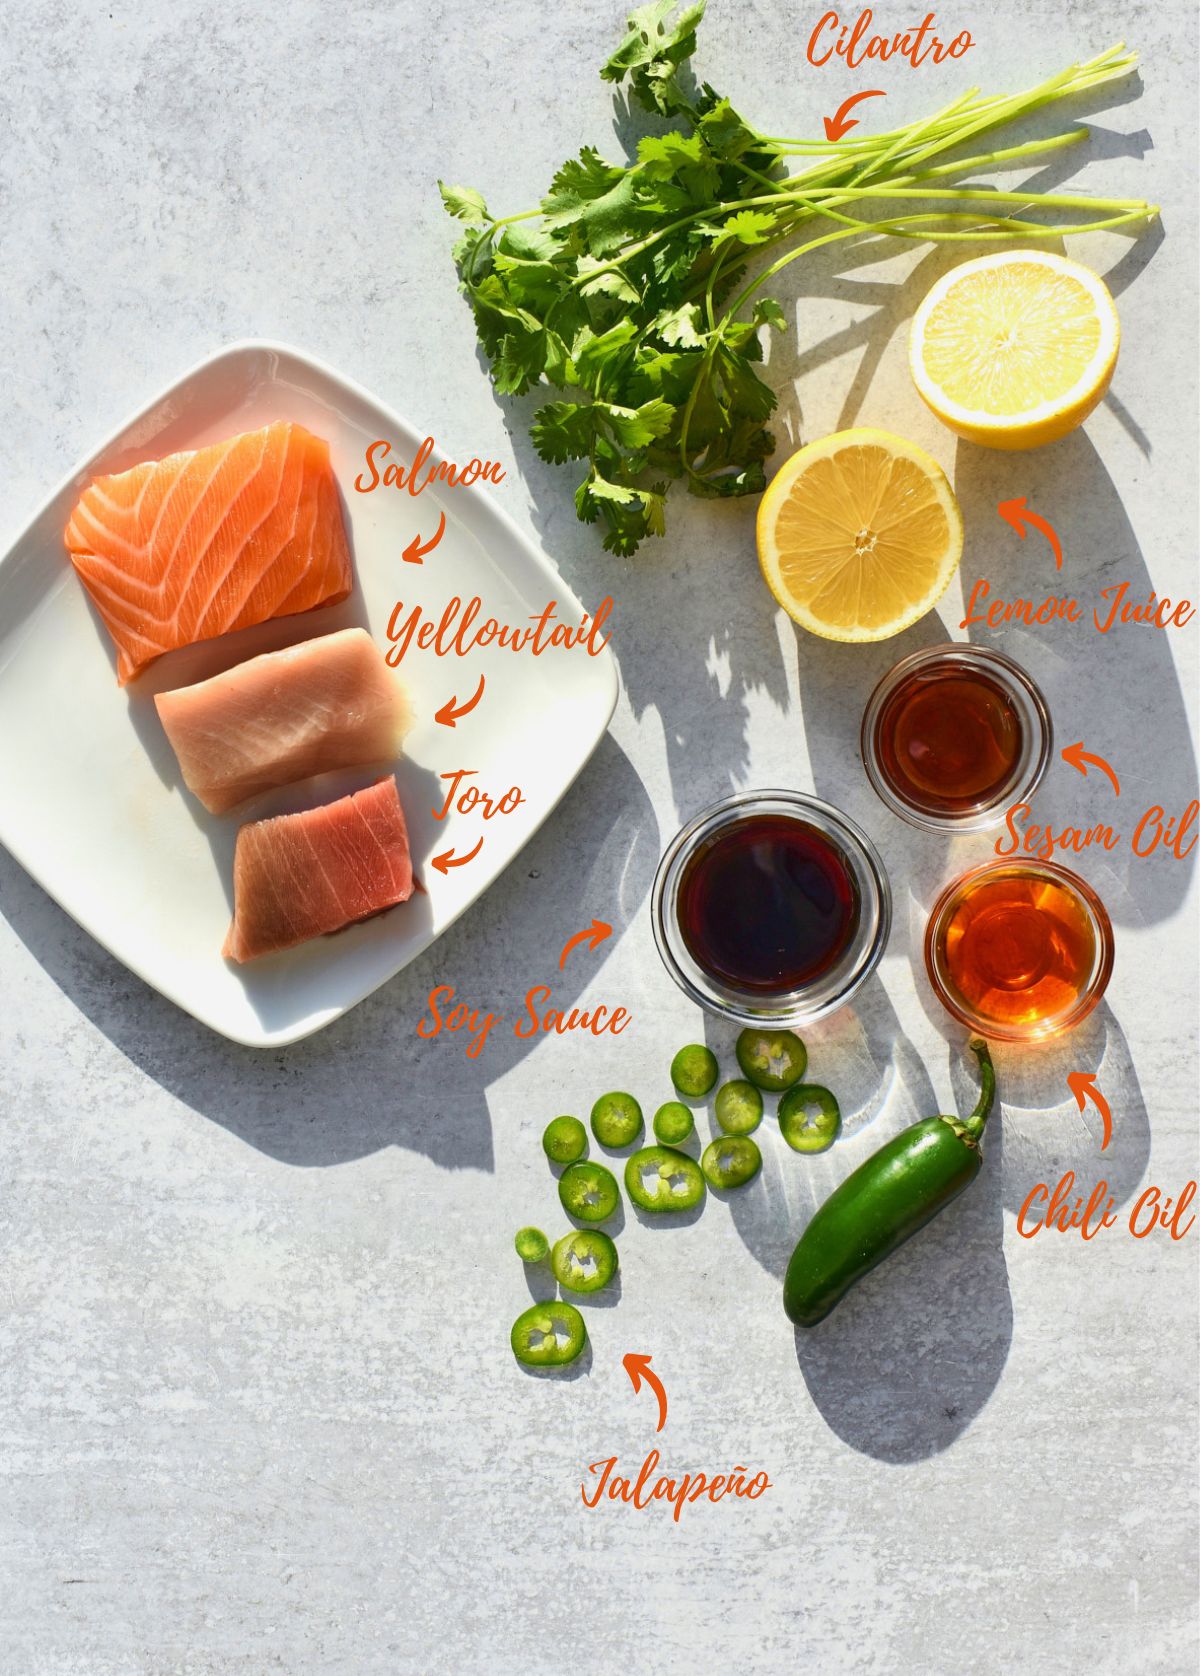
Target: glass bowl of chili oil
{"points": [[1019, 950]]}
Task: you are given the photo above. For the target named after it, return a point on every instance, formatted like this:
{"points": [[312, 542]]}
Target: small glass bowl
{"points": [[826, 992], [1036, 737], [1082, 998]]}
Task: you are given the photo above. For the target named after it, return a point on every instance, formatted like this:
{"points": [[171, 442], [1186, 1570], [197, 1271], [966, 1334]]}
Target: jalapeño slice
{"points": [[616, 1119], [810, 1119], [694, 1070], [673, 1123], [772, 1059], [548, 1335], [663, 1179], [589, 1191], [564, 1140], [532, 1245], [739, 1107], [730, 1161], [584, 1260]]}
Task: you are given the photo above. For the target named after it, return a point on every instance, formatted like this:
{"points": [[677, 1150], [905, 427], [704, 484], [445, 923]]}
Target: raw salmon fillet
{"points": [[302, 876], [285, 716], [186, 548]]}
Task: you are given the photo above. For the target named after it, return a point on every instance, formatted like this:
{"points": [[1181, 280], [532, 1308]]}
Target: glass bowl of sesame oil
{"points": [[953, 736]]}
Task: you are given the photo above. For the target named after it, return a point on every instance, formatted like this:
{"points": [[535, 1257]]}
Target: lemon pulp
{"points": [[859, 535], [1015, 349]]}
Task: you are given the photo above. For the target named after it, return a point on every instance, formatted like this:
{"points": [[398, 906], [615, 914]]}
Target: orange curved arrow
{"points": [[638, 1368], [595, 934], [448, 859], [415, 552], [1079, 758], [1083, 1086], [841, 122], [1017, 513], [448, 715]]}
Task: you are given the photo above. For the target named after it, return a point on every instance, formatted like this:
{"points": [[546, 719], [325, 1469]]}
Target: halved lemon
{"points": [[859, 535], [1015, 349]]}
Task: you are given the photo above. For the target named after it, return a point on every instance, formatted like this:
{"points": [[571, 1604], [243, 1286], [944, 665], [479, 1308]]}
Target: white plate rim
{"points": [[605, 662]]}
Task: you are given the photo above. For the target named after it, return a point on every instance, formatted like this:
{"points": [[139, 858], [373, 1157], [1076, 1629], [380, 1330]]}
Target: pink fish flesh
{"points": [[301, 876], [285, 716]]}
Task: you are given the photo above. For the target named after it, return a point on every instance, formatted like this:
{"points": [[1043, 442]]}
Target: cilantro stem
{"points": [[812, 197], [637, 355], [726, 319], [1109, 65], [980, 229]]}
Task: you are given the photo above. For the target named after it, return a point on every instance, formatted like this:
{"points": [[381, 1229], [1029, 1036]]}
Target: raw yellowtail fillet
{"points": [[286, 716]]}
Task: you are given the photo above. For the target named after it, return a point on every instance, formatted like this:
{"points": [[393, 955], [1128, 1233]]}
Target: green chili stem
{"points": [[973, 1125]]}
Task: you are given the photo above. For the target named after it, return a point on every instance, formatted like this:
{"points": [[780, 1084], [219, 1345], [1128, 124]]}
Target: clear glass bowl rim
{"points": [[1036, 723], [1089, 995], [834, 988]]}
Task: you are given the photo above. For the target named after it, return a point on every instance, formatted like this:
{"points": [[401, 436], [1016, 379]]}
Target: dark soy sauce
{"points": [[767, 904]]}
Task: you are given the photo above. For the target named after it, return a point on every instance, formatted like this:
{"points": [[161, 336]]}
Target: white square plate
{"points": [[90, 797]]}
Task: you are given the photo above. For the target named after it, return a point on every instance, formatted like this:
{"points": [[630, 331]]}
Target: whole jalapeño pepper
{"points": [[896, 1191]]}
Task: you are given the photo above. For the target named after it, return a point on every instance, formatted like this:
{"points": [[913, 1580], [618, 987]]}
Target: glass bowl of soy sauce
{"points": [[771, 907]]}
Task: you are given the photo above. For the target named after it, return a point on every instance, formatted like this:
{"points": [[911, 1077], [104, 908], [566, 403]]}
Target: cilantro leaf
{"points": [[596, 197], [600, 489], [652, 51], [579, 181], [519, 362], [527, 243], [564, 430], [682, 158], [748, 227], [634, 427], [745, 393], [463, 202], [768, 312], [728, 137], [600, 361], [606, 281]]}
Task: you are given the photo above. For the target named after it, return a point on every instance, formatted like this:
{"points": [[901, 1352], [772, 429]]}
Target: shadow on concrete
{"points": [[369, 1081]]}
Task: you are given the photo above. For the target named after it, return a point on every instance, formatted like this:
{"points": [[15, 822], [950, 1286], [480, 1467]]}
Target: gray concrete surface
{"points": [[257, 1408]]}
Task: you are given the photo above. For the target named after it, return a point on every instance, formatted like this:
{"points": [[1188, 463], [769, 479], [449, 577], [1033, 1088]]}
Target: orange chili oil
{"points": [[948, 739], [768, 904], [1019, 948]]}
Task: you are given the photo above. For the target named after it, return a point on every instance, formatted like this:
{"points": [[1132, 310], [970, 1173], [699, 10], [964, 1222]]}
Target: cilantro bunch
{"points": [[627, 290]]}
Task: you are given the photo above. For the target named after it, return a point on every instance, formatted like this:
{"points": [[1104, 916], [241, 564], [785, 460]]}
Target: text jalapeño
{"points": [[649, 1485]]}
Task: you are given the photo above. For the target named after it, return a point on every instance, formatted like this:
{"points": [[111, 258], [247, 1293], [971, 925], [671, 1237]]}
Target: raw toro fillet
{"points": [[183, 549], [285, 716], [302, 876]]}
